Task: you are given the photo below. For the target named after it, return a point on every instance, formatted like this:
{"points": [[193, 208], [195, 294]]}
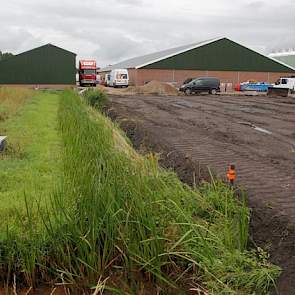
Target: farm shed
{"points": [[46, 65], [221, 58]]}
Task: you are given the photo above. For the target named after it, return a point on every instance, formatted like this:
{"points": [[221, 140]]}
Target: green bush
{"points": [[96, 98]]}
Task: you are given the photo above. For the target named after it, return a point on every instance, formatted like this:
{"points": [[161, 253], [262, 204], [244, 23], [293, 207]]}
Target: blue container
{"points": [[260, 87]]}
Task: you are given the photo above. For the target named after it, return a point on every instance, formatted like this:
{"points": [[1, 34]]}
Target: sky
{"points": [[113, 30]]}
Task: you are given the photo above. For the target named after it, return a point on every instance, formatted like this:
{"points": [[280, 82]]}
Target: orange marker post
{"points": [[231, 174]]}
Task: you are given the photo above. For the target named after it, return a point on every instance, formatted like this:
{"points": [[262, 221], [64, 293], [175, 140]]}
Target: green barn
{"points": [[223, 58], [45, 65]]}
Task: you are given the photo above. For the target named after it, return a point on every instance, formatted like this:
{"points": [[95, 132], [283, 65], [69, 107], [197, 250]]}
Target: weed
{"points": [[11, 99]]}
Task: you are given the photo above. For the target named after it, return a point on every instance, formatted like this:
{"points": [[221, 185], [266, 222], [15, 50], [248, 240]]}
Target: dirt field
{"points": [[255, 133]]}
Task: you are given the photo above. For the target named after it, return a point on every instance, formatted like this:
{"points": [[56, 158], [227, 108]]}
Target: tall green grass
{"points": [[118, 218]]}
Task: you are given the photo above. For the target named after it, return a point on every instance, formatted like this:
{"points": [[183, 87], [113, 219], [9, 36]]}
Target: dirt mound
{"points": [[155, 88], [160, 88]]}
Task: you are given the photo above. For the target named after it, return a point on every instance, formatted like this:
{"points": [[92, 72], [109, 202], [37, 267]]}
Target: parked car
{"points": [[204, 84]]}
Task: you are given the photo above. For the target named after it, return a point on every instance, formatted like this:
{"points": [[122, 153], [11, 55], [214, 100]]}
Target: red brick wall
{"points": [[142, 76], [132, 76]]}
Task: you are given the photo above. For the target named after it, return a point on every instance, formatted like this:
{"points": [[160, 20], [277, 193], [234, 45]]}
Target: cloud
{"points": [[17, 39], [114, 30], [132, 2]]}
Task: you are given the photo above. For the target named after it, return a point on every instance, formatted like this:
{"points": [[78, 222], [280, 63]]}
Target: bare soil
{"points": [[257, 134], [151, 88]]}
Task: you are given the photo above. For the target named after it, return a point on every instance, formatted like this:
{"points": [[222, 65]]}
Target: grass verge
{"points": [[29, 167]]}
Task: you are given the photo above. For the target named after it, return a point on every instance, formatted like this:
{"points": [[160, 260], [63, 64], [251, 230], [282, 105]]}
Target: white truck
{"points": [[287, 83], [283, 87], [118, 78]]}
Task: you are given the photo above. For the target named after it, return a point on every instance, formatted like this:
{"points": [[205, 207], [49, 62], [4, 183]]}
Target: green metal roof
{"points": [[47, 64], [220, 54], [139, 61]]}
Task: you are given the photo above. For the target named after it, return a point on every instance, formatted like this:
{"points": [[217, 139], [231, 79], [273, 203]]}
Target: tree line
{"points": [[5, 55]]}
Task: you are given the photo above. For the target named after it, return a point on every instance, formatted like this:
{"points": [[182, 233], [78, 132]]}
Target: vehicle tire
{"points": [[188, 91], [213, 91]]}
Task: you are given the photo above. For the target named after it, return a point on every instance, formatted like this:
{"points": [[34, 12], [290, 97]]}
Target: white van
{"points": [[119, 78]]}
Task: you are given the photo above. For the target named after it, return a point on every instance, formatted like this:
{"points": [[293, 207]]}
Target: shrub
{"points": [[96, 98]]}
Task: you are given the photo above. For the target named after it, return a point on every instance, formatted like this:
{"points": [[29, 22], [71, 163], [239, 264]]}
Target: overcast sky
{"points": [[112, 30]]}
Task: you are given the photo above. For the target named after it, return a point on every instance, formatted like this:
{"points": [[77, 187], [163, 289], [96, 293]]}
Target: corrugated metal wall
{"points": [[222, 55], [47, 64]]}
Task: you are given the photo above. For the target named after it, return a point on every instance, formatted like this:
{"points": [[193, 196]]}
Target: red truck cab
{"points": [[87, 72]]}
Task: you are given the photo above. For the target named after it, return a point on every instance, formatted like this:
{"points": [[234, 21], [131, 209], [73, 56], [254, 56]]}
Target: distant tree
{"points": [[5, 55]]}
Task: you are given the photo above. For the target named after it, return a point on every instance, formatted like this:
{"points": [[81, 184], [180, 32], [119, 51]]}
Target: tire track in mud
{"points": [[288, 141], [248, 109]]}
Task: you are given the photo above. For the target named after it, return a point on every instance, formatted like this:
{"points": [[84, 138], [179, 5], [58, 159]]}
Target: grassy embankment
{"points": [[117, 221]]}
